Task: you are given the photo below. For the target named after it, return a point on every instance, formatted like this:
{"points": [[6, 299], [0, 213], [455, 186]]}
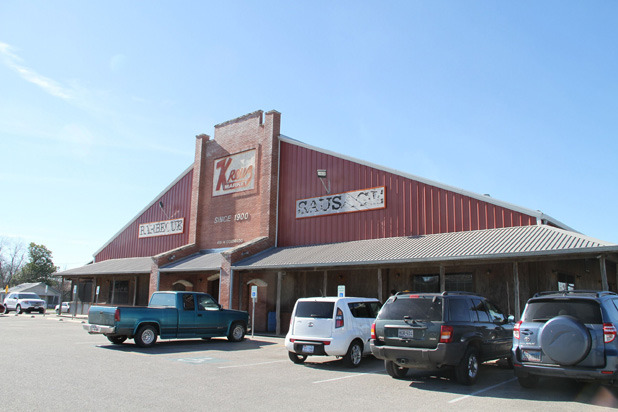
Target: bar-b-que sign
{"points": [[162, 228], [355, 201], [234, 173]]}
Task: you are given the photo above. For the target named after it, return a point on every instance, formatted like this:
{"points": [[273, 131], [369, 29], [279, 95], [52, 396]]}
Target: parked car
{"points": [[1, 307], [24, 302], [171, 315], [331, 326], [66, 308], [568, 334], [435, 331]]}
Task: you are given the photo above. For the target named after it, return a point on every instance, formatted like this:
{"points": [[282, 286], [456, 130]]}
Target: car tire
{"points": [[146, 336], [18, 309], [528, 382], [117, 340], [296, 358], [467, 371], [396, 371], [6, 310], [354, 355], [41, 311], [565, 340], [237, 332]]}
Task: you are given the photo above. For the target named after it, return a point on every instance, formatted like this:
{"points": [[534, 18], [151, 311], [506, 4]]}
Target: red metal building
{"points": [[257, 208]]}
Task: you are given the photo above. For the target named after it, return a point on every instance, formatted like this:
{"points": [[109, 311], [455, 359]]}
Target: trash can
{"points": [[272, 321]]}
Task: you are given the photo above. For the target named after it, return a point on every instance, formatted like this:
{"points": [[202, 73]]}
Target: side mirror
{"points": [[511, 319]]}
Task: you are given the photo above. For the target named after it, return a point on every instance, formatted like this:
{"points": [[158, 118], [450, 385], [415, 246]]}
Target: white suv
{"points": [[20, 302], [331, 326]]}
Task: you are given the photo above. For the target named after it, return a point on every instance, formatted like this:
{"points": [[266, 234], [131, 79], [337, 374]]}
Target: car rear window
{"points": [[416, 307], [163, 300], [315, 309], [587, 311], [364, 309]]}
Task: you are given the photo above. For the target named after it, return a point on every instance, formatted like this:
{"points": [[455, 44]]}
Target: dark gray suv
{"points": [[568, 334], [433, 331]]}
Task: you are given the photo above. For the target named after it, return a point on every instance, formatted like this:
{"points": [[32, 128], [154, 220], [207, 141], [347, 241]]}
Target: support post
{"points": [[135, 291], [603, 272], [278, 307], [516, 290], [442, 278], [325, 283], [380, 291]]}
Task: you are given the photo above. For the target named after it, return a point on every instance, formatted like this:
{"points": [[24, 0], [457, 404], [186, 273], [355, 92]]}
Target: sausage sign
{"points": [[354, 201]]}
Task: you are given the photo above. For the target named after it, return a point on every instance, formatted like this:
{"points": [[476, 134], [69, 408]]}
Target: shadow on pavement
{"points": [[165, 347]]}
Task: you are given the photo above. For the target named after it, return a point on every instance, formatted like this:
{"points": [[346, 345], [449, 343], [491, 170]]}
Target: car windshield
{"points": [[315, 309], [587, 311], [416, 307], [28, 296]]}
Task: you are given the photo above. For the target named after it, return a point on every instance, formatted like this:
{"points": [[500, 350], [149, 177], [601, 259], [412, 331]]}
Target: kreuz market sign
{"points": [[234, 173], [163, 228], [355, 201]]}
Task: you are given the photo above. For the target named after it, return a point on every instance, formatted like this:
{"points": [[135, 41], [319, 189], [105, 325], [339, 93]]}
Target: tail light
{"points": [[609, 332], [339, 319], [516, 330], [373, 331], [446, 334], [117, 315]]}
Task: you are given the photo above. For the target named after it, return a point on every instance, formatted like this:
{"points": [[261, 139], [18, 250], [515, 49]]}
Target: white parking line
{"points": [[251, 364], [350, 376], [481, 391]]}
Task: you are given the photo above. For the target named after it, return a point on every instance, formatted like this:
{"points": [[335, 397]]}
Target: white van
{"points": [[331, 326]]}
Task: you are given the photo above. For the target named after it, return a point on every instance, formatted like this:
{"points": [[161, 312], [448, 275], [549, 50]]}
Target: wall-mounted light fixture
{"points": [[162, 209], [322, 176]]}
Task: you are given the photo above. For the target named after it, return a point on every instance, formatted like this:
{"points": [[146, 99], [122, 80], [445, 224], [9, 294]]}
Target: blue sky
{"points": [[100, 102]]}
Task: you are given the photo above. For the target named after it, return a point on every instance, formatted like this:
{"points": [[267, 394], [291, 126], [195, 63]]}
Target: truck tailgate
{"points": [[101, 315]]}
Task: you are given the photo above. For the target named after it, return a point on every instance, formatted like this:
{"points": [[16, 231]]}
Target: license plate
{"points": [[308, 348], [405, 334], [94, 328], [531, 355]]}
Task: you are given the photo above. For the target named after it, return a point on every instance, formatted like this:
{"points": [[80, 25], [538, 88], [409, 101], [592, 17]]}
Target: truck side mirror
{"points": [[511, 319]]}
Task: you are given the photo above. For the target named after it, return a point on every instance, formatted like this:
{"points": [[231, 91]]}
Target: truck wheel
{"points": [[354, 355], [146, 336], [41, 310], [18, 309], [6, 310], [237, 332], [467, 371], [117, 340], [396, 371], [296, 358]]}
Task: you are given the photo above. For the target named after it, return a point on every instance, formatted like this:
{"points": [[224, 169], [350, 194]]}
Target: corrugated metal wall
{"points": [[177, 204], [412, 207]]}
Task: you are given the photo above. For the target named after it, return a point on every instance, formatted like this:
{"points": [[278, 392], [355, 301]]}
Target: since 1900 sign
{"points": [[355, 201], [162, 228]]}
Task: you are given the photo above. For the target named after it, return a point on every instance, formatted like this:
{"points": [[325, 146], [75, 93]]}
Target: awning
{"points": [[203, 261], [504, 243], [126, 266]]}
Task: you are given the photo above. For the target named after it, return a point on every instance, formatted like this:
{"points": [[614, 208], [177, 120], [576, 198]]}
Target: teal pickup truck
{"points": [[171, 315]]}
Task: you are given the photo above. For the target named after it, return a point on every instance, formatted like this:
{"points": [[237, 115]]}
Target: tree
{"points": [[39, 267], [12, 257]]}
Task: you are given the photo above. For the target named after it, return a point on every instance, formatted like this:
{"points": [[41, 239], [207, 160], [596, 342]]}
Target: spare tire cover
{"points": [[565, 340]]}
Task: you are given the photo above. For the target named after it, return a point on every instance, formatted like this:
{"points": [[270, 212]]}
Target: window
{"points": [[188, 303], [587, 311], [364, 309], [566, 282], [205, 302], [480, 310], [163, 300], [495, 313], [459, 310], [119, 290], [459, 282], [315, 309], [427, 283], [414, 306]]}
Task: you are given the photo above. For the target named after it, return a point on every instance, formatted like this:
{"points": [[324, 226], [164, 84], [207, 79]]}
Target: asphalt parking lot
{"points": [[51, 363]]}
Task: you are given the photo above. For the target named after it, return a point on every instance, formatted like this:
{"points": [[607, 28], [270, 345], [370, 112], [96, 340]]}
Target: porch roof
{"points": [[204, 260], [503, 243], [126, 266]]}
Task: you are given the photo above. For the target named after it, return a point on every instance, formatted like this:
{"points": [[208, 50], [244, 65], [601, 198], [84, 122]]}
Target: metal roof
{"points": [[511, 242], [199, 261], [112, 266]]}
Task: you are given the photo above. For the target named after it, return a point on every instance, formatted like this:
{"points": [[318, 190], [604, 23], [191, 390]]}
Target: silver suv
{"points": [[20, 302], [569, 334]]}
